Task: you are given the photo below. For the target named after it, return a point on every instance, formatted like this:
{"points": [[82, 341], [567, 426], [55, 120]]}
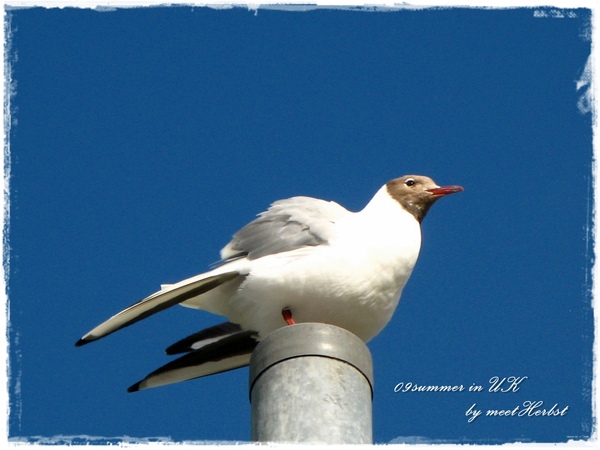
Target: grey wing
{"points": [[287, 225]]}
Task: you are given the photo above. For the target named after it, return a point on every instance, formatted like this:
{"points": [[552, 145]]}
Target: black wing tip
{"points": [[83, 341], [170, 351], [177, 348], [134, 387]]}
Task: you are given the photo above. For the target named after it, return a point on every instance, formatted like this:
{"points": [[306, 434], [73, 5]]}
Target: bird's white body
{"points": [[354, 281]]}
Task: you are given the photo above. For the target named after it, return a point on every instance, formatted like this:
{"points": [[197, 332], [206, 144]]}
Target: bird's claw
{"points": [[287, 316]]}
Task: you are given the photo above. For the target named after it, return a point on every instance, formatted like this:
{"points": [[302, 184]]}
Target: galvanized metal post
{"points": [[312, 383]]}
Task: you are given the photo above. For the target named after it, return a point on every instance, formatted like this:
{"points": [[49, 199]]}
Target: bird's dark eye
{"points": [[410, 182]]}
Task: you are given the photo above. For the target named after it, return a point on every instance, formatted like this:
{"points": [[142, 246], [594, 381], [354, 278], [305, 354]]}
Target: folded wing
{"points": [[159, 301], [217, 349], [287, 225]]}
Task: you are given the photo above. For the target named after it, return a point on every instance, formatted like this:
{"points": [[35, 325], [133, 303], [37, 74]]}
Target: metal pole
{"points": [[312, 383]]}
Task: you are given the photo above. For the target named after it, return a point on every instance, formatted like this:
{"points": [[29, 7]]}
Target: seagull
{"points": [[302, 260]]}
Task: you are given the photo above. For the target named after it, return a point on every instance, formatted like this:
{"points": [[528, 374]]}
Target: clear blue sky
{"points": [[142, 139]]}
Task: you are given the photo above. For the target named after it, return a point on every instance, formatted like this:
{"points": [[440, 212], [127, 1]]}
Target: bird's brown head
{"points": [[416, 193]]}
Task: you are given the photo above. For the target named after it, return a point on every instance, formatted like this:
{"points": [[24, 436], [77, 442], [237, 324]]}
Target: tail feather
{"points": [[159, 301], [227, 353]]}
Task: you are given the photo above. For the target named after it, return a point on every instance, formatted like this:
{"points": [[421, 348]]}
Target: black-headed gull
{"points": [[302, 260]]}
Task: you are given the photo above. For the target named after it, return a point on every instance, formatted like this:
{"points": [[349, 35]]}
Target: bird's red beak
{"points": [[445, 190]]}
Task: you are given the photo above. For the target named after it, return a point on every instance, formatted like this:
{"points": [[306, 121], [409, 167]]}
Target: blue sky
{"points": [[142, 139]]}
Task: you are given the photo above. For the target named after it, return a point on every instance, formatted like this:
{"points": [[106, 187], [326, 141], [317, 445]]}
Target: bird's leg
{"points": [[287, 316]]}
